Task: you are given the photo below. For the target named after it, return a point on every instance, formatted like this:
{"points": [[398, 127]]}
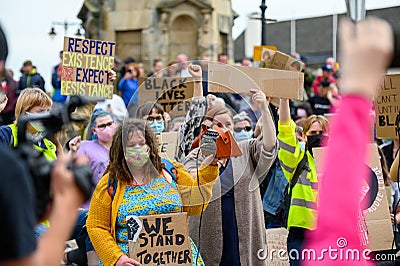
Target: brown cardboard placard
{"points": [[85, 67], [240, 79], [162, 239], [278, 60], [277, 254], [257, 51], [387, 107], [168, 143], [377, 216], [173, 94]]}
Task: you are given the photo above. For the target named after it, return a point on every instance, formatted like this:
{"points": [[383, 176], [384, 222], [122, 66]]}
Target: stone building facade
{"points": [[151, 29]]}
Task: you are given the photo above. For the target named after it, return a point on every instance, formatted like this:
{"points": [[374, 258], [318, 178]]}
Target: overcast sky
{"points": [[27, 24]]}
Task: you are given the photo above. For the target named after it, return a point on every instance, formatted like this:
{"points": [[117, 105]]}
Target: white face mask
{"points": [[302, 145]]}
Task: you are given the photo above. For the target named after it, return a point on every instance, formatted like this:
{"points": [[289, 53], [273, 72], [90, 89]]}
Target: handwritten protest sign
{"points": [[168, 143], [387, 107], [160, 239], [277, 254], [85, 67], [278, 60], [240, 79], [378, 234], [173, 94]]}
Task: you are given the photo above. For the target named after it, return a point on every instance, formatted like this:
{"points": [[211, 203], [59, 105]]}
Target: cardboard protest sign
{"points": [[278, 60], [277, 247], [160, 239], [378, 234], [85, 67], [173, 94], [239, 79], [387, 107], [257, 51], [168, 143]]}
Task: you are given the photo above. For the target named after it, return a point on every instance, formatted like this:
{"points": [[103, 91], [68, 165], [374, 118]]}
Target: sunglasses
{"points": [[238, 129], [103, 126], [152, 118]]}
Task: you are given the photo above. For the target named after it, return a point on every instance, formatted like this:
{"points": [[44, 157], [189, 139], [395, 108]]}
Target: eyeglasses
{"points": [[153, 118], [238, 129], [103, 126]]}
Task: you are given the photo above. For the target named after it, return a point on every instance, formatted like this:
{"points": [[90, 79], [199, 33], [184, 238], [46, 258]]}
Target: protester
{"points": [[158, 67], [154, 115], [30, 78], [182, 60], [302, 212], [19, 246], [115, 106], [102, 126], [236, 194], [242, 129], [129, 83], [56, 82], [136, 165], [8, 88], [326, 75], [366, 52]]}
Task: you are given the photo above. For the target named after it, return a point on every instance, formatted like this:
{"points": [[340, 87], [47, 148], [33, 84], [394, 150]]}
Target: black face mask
{"points": [[315, 141]]}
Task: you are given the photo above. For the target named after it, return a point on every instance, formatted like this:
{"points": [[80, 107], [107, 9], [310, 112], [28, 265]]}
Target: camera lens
{"points": [[129, 70]]}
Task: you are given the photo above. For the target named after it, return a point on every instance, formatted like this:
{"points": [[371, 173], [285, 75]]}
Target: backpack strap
{"points": [[299, 169], [112, 187], [170, 168]]}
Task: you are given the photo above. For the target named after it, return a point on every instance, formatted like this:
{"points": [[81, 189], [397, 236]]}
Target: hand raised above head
{"points": [[195, 71], [366, 51]]}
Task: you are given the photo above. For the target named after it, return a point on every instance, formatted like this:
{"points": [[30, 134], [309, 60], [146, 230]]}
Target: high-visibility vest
{"points": [[302, 212], [49, 152]]}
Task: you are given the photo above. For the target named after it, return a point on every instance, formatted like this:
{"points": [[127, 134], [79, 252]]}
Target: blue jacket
{"points": [[31, 80], [129, 89]]}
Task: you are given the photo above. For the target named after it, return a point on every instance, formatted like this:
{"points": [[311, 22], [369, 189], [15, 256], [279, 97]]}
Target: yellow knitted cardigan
{"points": [[102, 213]]}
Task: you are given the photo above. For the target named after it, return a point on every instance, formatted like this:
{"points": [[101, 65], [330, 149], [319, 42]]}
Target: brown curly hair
{"points": [[118, 168]]}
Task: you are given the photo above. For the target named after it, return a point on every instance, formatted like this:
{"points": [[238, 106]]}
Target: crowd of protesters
{"points": [[238, 197]]}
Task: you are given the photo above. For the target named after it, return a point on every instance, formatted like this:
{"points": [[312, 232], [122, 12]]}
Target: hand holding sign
{"points": [[126, 261], [260, 98], [367, 49]]}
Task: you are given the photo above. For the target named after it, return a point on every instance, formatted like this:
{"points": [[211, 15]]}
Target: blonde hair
{"points": [[316, 118], [29, 98]]}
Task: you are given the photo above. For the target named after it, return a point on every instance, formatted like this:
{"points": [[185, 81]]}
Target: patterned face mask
{"points": [[137, 155]]}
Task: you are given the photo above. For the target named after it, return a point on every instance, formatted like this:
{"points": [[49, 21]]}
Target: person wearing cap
{"points": [[326, 75], [30, 78], [322, 102], [242, 129]]}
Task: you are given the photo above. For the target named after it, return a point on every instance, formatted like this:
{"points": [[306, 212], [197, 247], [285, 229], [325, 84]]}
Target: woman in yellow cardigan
{"points": [[135, 163]]}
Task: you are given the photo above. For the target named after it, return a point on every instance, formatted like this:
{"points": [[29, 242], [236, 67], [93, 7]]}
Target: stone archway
{"points": [[183, 37]]}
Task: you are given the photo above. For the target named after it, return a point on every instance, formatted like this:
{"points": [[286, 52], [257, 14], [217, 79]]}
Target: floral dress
{"points": [[156, 197]]}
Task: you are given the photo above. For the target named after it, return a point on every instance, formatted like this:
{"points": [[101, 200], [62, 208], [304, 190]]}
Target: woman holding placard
{"points": [[136, 173]]}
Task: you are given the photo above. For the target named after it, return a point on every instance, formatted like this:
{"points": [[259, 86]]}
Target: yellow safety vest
{"points": [[302, 212], [49, 152]]}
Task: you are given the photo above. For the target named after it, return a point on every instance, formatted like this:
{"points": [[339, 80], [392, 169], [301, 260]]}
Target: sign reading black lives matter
{"points": [[85, 67], [387, 107], [160, 239], [173, 94]]}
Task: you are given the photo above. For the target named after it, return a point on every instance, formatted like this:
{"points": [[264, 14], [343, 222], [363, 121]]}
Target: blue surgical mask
{"points": [[243, 135], [302, 145], [157, 126]]}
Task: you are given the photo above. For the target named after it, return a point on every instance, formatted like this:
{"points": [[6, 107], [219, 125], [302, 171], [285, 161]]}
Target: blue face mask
{"points": [[157, 126], [302, 145], [243, 135]]}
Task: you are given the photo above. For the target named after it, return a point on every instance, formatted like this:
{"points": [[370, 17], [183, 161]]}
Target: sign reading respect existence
{"points": [[159, 239], [378, 234], [85, 67], [387, 107], [173, 94]]}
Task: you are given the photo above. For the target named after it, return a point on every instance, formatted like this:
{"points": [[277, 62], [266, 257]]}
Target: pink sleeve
{"points": [[340, 185]]}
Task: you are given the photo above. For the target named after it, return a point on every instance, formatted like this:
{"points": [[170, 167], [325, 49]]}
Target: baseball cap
{"points": [[326, 68]]}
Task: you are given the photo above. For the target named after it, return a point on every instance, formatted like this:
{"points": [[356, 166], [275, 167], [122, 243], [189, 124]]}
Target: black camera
{"points": [[38, 165]]}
